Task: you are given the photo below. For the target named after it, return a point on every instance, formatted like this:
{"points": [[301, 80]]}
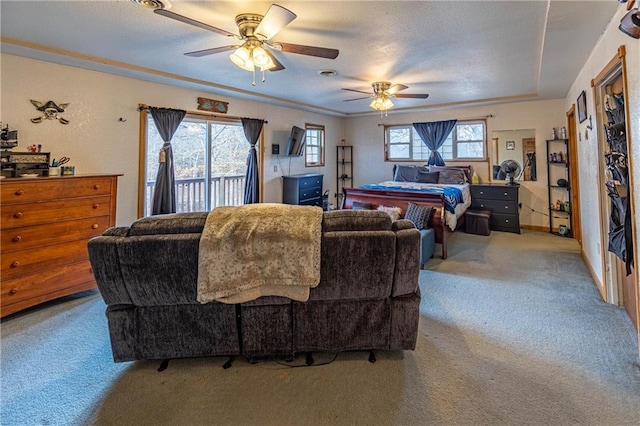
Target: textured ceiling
{"points": [[457, 51]]}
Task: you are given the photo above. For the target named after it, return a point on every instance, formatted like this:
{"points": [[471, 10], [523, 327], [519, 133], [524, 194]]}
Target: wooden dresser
{"points": [[45, 226], [502, 200]]}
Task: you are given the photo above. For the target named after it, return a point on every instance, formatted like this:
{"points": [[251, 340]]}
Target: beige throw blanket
{"points": [[259, 250]]}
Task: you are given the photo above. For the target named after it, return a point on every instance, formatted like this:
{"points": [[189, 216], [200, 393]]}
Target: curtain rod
{"points": [[459, 119], [143, 107]]}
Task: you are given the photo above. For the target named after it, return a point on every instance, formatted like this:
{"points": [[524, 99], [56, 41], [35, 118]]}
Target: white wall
{"points": [[97, 142], [368, 139], [588, 154]]}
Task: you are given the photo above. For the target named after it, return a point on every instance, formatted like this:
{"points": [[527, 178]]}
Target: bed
{"points": [[450, 200]]}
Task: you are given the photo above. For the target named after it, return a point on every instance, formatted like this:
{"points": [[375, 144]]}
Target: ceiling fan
{"points": [[255, 32], [383, 91]]}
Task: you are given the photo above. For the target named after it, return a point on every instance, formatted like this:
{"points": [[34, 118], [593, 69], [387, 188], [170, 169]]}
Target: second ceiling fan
{"points": [[255, 32], [383, 91]]}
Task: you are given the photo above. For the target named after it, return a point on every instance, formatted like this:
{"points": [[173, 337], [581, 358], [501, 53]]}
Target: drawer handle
{"points": [[94, 226], [96, 205], [17, 215], [481, 205], [481, 192], [96, 187], [506, 207], [13, 290], [506, 220], [16, 239], [15, 264], [19, 192], [506, 193]]}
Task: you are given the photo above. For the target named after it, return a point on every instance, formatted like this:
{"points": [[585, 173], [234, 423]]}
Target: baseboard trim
{"points": [[595, 278], [535, 228]]}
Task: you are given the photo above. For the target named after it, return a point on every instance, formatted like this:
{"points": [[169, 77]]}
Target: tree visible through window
{"points": [[314, 145], [209, 160], [467, 141]]}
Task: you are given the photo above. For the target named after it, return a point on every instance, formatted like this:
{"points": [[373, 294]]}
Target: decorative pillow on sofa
{"points": [[357, 205], [393, 212], [449, 175], [428, 177], [420, 215]]}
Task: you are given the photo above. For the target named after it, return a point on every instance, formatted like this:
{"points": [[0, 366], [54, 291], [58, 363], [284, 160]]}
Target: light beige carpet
{"points": [[512, 332]]}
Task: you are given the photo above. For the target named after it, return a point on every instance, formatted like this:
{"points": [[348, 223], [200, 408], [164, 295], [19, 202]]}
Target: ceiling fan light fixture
{"points": [[381, 103], [242, 58], [261, 59]]}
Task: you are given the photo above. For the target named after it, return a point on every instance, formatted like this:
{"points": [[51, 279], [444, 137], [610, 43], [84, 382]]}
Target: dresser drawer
{"points": [[503, 222], [310, 193], [311, 202], [28, 290], [494, 192], [27, 261], [36, 190], [52, 233], [310, 182], [16, 215], [496, 206]]}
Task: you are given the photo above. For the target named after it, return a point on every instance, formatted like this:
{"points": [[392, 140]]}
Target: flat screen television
{"points": [[295, 144]]}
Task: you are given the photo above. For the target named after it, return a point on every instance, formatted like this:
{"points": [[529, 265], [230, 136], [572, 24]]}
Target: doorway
{"points": [[619, 254]]}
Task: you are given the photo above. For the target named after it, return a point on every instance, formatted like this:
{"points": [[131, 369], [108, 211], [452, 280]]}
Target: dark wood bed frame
{"points": [[401, 199]]}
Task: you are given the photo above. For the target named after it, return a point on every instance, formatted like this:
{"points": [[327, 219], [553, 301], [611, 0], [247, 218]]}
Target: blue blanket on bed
{"points": [[452, 195]]}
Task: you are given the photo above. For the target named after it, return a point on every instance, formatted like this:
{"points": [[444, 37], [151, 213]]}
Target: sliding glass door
{"points": [[209, 157]]}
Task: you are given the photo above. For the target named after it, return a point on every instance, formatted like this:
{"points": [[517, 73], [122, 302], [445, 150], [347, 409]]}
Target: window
{"points": [[466, 141], [209, 157], [314, 145]]}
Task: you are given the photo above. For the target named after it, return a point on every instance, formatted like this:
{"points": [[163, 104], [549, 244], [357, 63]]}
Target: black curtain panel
{"points": [[433, 135], [252, 128], [164, 193]]}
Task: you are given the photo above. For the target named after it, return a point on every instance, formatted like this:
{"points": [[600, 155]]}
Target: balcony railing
{"points": [[191, 193]]}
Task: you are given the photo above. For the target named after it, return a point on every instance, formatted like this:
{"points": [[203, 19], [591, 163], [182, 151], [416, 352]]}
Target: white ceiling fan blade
{"points": [[276, 18], [193, 22], [396, 88]]}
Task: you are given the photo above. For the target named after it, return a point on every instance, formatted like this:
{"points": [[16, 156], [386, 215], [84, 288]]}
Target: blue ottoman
{"points": [[427, 245]]}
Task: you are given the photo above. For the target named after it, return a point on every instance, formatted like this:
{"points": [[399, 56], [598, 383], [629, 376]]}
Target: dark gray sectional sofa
{"points": [[368, 297]]}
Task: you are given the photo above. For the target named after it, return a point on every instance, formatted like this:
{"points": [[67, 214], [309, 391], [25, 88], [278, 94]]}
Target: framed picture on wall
{"points": [[582, 107], [511, 145]]}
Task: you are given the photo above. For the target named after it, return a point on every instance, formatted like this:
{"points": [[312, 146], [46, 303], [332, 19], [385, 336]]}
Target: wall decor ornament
{"points": [[212, 105], [582, 106], [50, 111], [511, 145]]}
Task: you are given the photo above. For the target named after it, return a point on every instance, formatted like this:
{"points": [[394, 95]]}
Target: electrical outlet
{"points": [[275, 168]]}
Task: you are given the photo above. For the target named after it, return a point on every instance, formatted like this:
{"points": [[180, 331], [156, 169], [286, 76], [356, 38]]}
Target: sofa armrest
{"points": [[105, 264], [407, 267]]}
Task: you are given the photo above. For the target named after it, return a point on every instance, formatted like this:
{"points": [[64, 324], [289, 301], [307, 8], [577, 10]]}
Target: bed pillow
{"points": [[420, 215], [428, 177], [393, 212], [357, 205], [406, 174], [450, 175]]}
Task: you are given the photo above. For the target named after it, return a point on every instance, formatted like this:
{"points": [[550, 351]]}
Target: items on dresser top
{"points": [[45, 226], [19, 164], [503, 203]]}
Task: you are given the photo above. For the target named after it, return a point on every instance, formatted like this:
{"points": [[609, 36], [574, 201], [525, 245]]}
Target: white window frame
{"points": [[314, 159], [416, 143]]}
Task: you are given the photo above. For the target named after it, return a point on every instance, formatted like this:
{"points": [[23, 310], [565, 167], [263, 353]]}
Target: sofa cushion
{"points": [[176, 223], [357, 205], [355, 220]]}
